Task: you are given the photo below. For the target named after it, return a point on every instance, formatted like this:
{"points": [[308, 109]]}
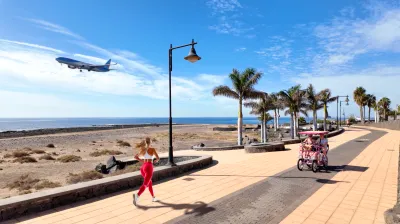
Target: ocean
{"points": [[19, 124]]}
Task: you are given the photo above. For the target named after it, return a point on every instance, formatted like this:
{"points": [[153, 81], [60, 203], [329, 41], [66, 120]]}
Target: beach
{"points": [[85, 144]]}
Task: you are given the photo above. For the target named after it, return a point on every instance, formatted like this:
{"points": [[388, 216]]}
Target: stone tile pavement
{"points": [[361, 197], [235, 170]]}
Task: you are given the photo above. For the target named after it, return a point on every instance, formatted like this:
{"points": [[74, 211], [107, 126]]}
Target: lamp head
{"points": [[192, 56]]}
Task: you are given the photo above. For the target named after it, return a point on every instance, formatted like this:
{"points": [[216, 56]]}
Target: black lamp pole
{"points": [[337, 109], [340, 114], [192, 57]]}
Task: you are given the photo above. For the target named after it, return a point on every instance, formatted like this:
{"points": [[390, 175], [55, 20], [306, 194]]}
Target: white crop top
{"points": [[147, 156]]}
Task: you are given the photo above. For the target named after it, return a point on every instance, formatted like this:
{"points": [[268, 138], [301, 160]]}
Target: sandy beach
{"points": [[86, 144]]}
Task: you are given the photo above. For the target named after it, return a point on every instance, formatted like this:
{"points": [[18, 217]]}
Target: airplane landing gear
{"points": [[81, 70]]}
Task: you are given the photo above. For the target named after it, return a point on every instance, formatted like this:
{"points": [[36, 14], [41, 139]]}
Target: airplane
{"points": [[74, 64]]}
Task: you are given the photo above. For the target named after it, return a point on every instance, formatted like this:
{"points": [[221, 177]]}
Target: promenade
{"points": [[261, 188]]}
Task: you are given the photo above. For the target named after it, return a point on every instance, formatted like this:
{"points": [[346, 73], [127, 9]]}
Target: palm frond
{"points": [[225, 91]]}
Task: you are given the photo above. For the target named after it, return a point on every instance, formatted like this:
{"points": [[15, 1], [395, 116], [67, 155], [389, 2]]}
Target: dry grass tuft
{"points": [[46, 157], [84, 176], [105, 152], [23, 183], [123, 143], [25, 159], [50, 145], [38, 151], [46, 184], [25, 192], [69, 158], [19, 153]]}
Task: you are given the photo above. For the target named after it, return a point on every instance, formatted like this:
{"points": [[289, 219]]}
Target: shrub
{"points": [[19, 153], [123, 143], [50, 145], [25, 192], [84, 176], [69, 158], [46, 184], [352, 119], [46, 157], [25, 159], [23, 183], [8, 155], [93, 141], [302, 120], [105, 152], [38, 151]]}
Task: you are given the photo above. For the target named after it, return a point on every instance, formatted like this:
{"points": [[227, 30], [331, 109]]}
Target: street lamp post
{"points": [[192, 57], [337, 109]]}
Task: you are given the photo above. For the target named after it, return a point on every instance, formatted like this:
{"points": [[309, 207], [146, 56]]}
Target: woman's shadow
{"points": [[199, 208]]}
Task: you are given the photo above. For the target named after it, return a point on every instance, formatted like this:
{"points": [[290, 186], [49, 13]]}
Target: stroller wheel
{"points": [[314, 166], [300, 164]]}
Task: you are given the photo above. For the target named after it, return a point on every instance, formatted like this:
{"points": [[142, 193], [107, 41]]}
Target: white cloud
{"points": [[228, 25], [223, 6], [54, 28], [20, 64], [344, 38], [214, 80], [32, 46], [241, 49]]}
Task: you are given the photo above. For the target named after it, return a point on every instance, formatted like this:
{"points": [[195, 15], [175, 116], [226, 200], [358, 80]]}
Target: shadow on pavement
{"points": [[198, 208]]}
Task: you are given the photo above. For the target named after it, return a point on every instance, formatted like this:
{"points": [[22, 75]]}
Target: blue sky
{"points": [[332, 44]]}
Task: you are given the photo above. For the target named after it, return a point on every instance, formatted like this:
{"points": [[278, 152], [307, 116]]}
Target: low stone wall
{"points": [[218, 148], [265, 147], [284, 141], [39, 201], [392, 125], [224, 129]]}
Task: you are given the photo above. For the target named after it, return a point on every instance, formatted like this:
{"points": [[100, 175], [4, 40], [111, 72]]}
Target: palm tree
{"points": [[300, 107], [375, 106], [260, 108], [326, 98], [371, 100], [243, 89], [291, 100], [264, 120], [276, 105], [385, 104], [313, 103], [359, 96]]}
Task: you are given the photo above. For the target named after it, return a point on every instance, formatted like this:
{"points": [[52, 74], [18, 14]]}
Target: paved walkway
{"points": [[194, 194], [359, 197]]}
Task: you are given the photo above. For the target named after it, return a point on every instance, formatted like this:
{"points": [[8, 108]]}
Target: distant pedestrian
{"points": [[147, 168]]}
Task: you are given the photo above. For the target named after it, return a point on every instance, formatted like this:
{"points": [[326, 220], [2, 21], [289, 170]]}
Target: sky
{"points": [[338, 45]]}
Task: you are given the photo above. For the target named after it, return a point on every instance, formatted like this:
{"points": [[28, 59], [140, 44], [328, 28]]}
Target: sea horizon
{"points": [[20, 124]]}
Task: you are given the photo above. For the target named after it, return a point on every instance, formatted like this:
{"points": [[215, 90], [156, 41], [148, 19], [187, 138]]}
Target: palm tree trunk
{"points": [[369, 115], [361, 114], [275, 120], [262, 132], [265, 129], [292, 126], [325, 117], [240, 123], [295, 125], [376, 117], [364, 114], [314, 120]]}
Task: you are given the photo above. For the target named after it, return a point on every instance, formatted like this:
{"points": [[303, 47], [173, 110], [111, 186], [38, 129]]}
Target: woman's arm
{"points": [[156, 155], [137, 158]]}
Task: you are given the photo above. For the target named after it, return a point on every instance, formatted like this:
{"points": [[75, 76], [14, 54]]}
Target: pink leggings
{"points": [[147, 173]]}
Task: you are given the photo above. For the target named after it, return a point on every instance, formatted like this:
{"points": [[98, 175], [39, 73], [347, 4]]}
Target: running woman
{"points": [[147, 168]]}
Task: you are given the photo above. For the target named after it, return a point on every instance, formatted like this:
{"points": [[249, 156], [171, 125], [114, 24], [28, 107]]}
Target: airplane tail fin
{"points": [[108, 63]]}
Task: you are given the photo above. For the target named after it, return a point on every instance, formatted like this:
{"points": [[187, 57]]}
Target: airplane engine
{"points": [[70, 66]]}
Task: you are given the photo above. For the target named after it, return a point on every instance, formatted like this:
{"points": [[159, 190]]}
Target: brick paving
{"points": [[274, 198], [198, 194]]}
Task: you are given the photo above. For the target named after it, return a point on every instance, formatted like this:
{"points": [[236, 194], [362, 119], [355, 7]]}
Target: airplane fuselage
{"points": [[74, 64]]}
